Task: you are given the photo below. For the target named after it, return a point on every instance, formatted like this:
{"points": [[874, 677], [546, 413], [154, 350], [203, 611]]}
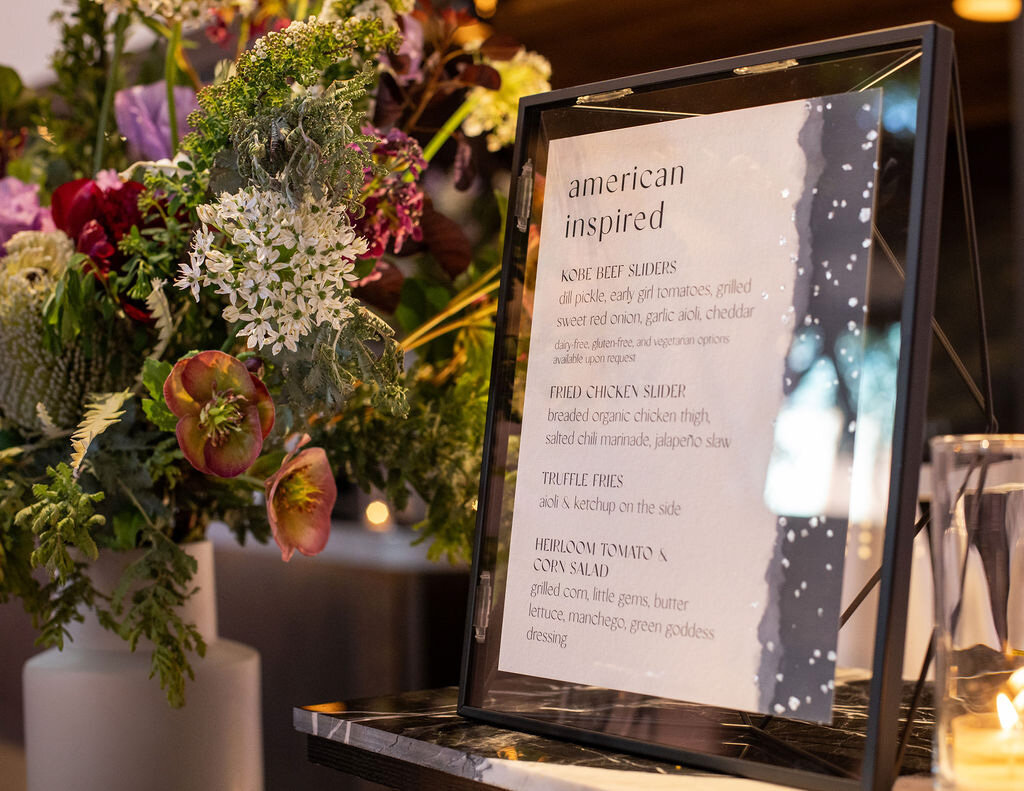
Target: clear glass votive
{"points": [[977, 536]]}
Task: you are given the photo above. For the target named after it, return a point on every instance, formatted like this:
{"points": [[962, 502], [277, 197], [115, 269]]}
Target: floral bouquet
{"points": [[220, 291]]}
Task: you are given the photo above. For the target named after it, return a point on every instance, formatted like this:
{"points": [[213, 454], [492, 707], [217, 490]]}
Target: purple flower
{"points": [[393, 203], [408, 61], [142, 117], [20, 209]]}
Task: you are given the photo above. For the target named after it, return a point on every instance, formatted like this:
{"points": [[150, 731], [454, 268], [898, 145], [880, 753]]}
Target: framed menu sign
{"points": [[708, 378]]}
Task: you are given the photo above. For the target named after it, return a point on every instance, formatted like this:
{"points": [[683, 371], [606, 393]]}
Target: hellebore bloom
{"points": [[143, 118], [224, 412], [300, 497]]}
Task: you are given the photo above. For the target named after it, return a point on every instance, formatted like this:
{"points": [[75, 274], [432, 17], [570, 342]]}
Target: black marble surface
{"points": [[423, 729]]}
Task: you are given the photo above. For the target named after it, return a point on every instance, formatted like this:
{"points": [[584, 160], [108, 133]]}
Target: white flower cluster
{"points": [[283, 270], [496, 112], [294, 35], [385, 10], [191, 12]]}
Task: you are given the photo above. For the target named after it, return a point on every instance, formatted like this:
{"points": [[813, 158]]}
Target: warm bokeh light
{"points": [[378, 516], [485, 8], [988, 10], [1008, 716]]}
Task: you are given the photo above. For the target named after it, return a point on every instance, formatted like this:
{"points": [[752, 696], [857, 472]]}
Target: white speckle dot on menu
{"points": [[852, 302], [779, 708], [794, 703], [847, 167], [791, 536], [871, 135], [785, 193]]}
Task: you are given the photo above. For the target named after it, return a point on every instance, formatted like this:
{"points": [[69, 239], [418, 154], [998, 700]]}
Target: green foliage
{"points": [[71, 308], [147, 605], [62, 516], [436, 450], [329, 366], [310, 145], [80, 67], [303, 55], [154, 374]]}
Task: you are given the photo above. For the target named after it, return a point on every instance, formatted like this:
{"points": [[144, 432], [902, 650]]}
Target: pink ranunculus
{"points": [[20, 209], [300, 497], [142, 117], [224, 412]]}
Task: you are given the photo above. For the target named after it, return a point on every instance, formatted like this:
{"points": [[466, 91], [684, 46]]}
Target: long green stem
{"points": [[472, 320], [171, 78], [108, 92], [458, 303], [449, 127], [301, 10]]}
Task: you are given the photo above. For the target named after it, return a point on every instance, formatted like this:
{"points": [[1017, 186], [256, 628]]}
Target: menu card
{"points": [[679, 262]]}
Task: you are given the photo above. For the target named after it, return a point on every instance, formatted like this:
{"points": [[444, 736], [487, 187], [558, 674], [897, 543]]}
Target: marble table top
{"points": [[423, 728]]}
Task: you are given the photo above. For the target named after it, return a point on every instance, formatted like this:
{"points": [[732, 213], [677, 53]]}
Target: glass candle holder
{"points": [[978, 559]]}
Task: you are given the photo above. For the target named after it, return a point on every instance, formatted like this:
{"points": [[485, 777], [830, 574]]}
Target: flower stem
{"points": [[459, 301], [300, 10], [170, 78], [244, 29], [449, 127], [108, 92], [472, 320]]}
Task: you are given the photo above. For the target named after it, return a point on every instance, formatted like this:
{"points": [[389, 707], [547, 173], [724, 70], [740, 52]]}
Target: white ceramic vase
{"points": [[95, 720]]}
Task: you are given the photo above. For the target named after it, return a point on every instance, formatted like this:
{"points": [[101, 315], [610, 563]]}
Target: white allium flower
{"points": [[283, 270], [496, 112], [192, 12]]}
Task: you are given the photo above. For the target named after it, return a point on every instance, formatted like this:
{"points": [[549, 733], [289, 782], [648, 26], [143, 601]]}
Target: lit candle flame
{"points": [[1007, 712], [1016, 682]]}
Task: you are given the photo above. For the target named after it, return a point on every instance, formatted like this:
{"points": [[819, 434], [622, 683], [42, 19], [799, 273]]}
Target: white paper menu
{"points": [[674, 271]]}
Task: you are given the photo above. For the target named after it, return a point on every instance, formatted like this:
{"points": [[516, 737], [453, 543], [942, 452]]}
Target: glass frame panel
{"points": [[913, 66]]}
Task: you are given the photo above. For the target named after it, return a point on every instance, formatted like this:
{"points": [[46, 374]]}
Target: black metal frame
{"points": [[879, 767]]}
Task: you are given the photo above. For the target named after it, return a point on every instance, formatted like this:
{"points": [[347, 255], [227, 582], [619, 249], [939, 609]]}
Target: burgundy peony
{"points": [[96, 214]]}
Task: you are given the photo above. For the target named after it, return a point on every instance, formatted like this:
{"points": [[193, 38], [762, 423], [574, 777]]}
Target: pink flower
{"points": [[224, 412], [393, 203], [20, 209], [300, 497]]}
